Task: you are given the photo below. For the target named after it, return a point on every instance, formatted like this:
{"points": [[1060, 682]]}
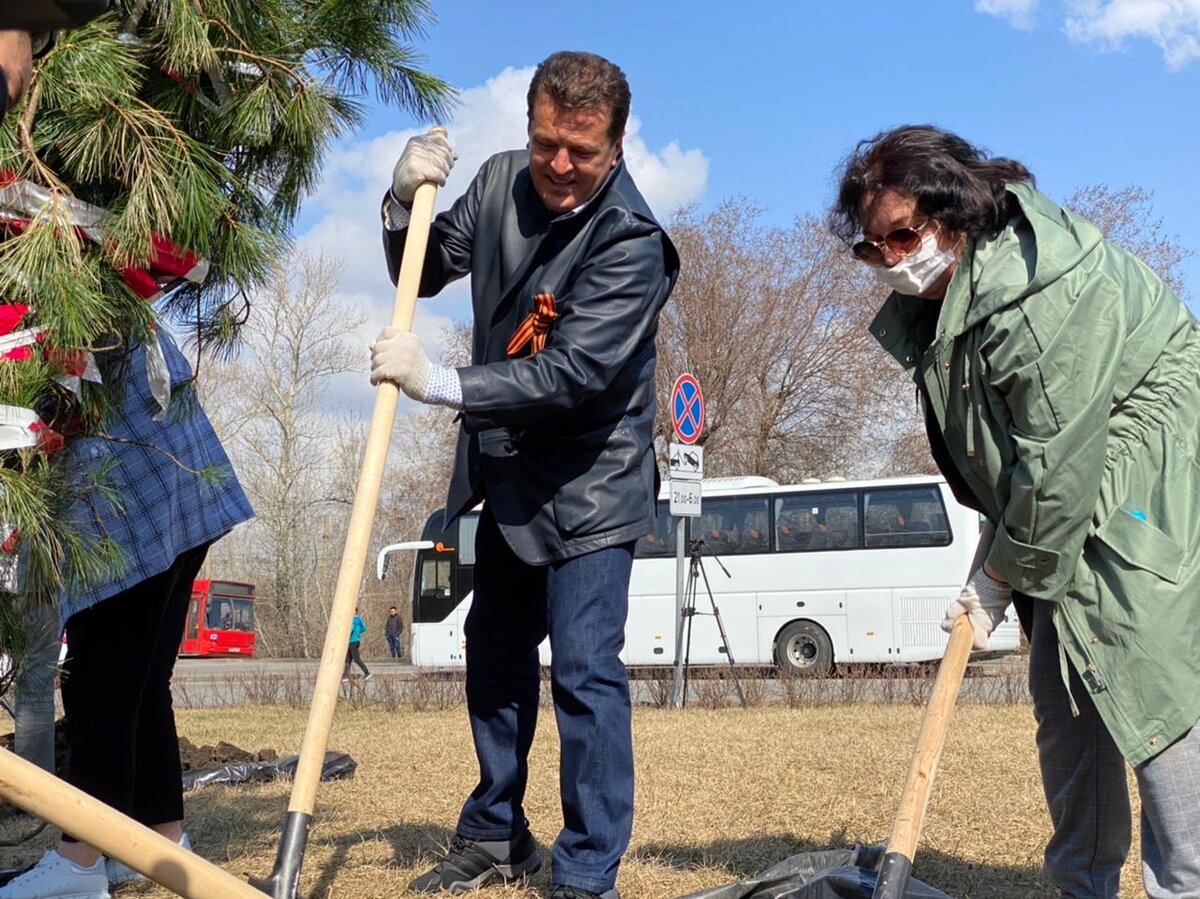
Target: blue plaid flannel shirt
{"points": [[165, 509]]}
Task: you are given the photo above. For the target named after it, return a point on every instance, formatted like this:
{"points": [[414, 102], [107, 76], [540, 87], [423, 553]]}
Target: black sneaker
{"points": [[468, 867], [562, 891]]}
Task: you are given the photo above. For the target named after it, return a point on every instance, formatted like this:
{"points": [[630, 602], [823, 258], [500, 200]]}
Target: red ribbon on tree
{"points": [[21, 200], [11, 315]]}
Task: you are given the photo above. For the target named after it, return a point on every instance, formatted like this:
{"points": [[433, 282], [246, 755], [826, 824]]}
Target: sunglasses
{"points": [[901, 241]]}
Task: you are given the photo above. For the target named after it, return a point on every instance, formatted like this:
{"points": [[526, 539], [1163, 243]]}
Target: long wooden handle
{"points": [[362, 518], [162, 860], [906, 829], [283, 882]]}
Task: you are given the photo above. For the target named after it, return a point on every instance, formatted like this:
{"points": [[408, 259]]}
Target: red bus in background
{"points": [[220, 621]]}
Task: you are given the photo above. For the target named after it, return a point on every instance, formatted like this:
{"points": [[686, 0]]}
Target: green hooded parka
{"points": [[1065, 377]]}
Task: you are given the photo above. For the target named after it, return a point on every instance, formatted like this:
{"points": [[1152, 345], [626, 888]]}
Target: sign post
{"points": [[685, 471]]}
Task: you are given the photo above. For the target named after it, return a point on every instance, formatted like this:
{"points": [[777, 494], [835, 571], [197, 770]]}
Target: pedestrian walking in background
{"points": [[353, 651], [392, 630]]}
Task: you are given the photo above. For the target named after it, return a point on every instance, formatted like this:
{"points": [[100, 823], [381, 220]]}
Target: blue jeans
{"points": [[581, 604]]}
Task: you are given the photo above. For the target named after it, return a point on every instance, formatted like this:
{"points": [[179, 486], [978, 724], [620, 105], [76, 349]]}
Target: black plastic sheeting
{"points": [[832, 874], [337, 766]]}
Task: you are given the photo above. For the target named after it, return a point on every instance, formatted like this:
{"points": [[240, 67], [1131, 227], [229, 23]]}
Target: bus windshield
{"points": [[225, 613]]}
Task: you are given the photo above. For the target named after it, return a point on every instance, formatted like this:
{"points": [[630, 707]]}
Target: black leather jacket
{"points": [[559, 443]]}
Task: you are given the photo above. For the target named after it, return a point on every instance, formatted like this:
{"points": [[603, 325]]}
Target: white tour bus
{"points": [[820, 574]]}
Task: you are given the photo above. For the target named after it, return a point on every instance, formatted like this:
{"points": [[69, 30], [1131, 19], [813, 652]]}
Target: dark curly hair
{"points": [[953, 181], [572, 79]]}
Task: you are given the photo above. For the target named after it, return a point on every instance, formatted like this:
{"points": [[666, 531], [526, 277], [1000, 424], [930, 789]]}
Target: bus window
{"points": [[817, 521], [660, 542], [243, 615], [468, 527], [908, 516], [220, 614], [756, 528], [735, 525], [193, 620]]}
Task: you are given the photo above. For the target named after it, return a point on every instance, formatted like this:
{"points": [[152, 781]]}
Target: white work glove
{"points": [[984, 600], [426, 157], [397, 356]]}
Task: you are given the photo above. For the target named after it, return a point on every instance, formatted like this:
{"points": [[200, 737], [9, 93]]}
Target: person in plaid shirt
{"points": [[177, 494]]}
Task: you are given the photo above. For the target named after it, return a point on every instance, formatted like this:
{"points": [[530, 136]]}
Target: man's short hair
{"points": [[571, 79]]}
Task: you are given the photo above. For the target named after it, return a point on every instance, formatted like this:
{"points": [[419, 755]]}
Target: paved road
{"points": [[230, 681]]}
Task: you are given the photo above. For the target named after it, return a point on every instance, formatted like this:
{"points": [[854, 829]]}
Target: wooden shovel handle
{"points": [[906, 828], [362, 518], [409, 281], [117, 836]]}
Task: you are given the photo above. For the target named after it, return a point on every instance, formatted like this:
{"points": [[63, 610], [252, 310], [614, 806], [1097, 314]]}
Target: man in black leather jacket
{"points": [[569, 270]]}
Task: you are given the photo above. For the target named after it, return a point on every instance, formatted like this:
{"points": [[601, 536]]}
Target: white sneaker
{"points": [[55, 877], [119, 872]]}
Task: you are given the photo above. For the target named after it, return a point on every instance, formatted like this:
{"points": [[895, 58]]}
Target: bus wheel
{"points": [[803, 649]]}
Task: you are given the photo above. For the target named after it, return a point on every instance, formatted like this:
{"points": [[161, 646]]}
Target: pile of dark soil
{"points": [[201, 758], [193, 757]]}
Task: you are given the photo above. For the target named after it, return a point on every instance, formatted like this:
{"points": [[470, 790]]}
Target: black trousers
{"points": [[116, 692], [353, 655]]}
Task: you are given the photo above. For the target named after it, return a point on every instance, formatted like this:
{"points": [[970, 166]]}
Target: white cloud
{"points": [[1020, 13], [1172, 24], [490, 118], [669, 178]]}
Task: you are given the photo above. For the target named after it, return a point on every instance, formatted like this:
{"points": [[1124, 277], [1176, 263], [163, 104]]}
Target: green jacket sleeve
{"points": [[1054, 357]]}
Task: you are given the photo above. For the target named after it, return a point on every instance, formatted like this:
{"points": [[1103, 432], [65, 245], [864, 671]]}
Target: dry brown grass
{"points": [[721, 794]]}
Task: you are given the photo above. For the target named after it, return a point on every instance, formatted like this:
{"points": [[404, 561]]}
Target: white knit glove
{"points": [[397, 356], [984, 600], [426, 157]]}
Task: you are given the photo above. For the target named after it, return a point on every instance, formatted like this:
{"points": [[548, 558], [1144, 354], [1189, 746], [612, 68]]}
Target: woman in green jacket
{"points": [[1061, 385]]}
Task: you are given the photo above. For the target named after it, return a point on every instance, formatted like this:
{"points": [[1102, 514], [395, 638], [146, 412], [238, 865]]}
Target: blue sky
{"points": [[762, 99]]}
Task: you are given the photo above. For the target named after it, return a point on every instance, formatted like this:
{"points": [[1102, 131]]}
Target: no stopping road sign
{"points": [[687, 409]]}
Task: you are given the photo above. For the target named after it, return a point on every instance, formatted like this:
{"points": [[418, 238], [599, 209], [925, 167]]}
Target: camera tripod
{"points": [[688, 612]]}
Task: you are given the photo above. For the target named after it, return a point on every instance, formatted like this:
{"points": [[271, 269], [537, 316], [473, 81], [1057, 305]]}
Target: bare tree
{"points": [[1127, 218], [773, 323], [298, 458], [283, 439]]}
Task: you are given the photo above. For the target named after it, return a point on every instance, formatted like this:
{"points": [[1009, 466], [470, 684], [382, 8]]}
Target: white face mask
{"points": [[916, 272]]}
